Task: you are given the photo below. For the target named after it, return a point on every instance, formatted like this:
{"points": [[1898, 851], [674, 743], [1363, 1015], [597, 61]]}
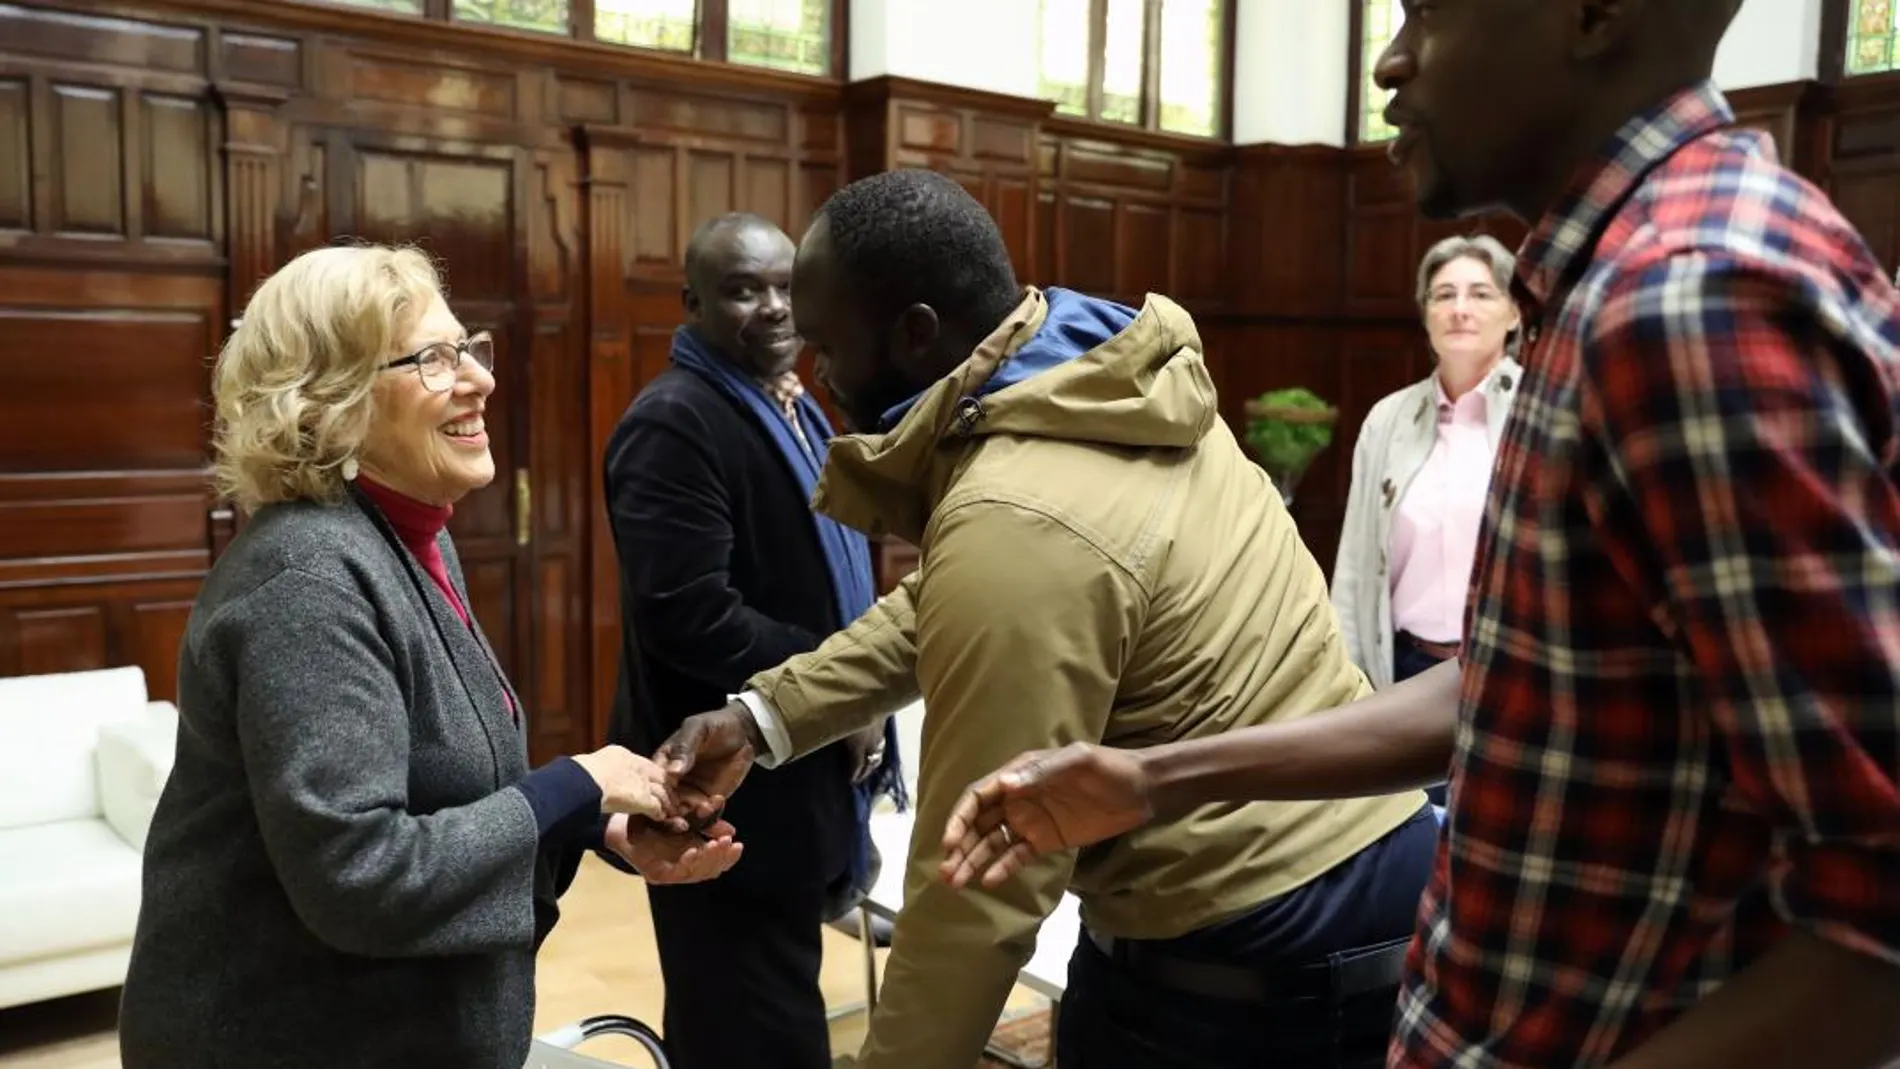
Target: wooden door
{"points": [[470, 206]]}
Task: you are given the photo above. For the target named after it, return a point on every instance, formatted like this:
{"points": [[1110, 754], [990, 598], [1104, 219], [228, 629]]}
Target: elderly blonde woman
{"points": [[351, 863], [1422, 468]]}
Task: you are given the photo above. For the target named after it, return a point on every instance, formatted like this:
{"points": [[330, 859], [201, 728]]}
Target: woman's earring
{"points": [[349, 469]]}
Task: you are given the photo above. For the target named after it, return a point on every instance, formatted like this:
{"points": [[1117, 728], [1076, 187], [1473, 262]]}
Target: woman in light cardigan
{"points": [[1422, 468]]}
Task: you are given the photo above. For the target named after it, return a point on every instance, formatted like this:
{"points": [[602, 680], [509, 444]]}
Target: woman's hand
{"points": [[628, 783], [662, 856]]}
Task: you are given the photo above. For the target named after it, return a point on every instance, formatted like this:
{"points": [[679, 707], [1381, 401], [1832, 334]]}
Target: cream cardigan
{"points": [[1393, 443]]}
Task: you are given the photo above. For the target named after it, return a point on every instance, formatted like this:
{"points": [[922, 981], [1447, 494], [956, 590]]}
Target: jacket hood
{"points": [[1064, 366]]}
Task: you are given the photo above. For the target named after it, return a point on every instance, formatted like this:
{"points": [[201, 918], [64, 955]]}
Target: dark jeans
{"points": [[1115, 1017], [1407, 661]]}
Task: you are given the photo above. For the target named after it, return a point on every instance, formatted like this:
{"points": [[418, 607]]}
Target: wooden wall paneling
{"points": [[605, 267], [103, 506], [709, 154], [1381, 237], [554, 583], [1773, 110], [111, 234], [821, 165], [1286, 255], [1137, 212], [91, 100], [1860, 133], [77, 628], [253, 150], [16, 171], [986, 141]]}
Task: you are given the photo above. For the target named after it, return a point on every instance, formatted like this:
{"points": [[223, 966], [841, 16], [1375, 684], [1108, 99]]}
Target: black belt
{"points": [[1441, 651], [1360, 971]]}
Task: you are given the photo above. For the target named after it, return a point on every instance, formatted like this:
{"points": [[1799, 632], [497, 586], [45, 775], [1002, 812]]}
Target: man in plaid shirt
{"points": [[1674, 729]]}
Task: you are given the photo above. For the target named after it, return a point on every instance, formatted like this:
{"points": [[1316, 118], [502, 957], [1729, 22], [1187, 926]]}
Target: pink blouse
{"points": [[1435, 528]]}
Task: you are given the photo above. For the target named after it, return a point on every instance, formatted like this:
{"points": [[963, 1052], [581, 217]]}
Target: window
{"points": [[1156, 64], [1065, 55], [787, 35], [400, 7], [791, 35], [1379, 24], [548, 16], [1192, 32], [670, 25], [1872, 27]]}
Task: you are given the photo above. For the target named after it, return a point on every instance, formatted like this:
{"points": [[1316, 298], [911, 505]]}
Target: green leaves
{"points": [[1287, 428]]}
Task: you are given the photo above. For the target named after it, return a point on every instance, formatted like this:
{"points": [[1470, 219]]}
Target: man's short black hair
{"points": [[711, 228], [917, 237]]}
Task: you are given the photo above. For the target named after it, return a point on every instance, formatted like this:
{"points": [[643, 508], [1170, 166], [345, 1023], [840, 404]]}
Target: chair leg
{"points": [[869, 942]]}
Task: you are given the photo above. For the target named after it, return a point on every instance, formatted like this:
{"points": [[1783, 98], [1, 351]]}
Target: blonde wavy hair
{"points": [[293, 383]]}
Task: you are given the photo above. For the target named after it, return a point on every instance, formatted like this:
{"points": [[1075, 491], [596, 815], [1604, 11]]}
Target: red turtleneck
{"points": [[418, 523]]}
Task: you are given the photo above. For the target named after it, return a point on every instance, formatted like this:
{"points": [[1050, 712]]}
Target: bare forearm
{"points": [[1806, 1002], [1397, 738]]}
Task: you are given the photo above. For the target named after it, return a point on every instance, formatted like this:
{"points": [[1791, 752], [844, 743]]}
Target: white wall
{"points": [[1771, 41], [977, 44], [1290, 71], [1290, 75]]}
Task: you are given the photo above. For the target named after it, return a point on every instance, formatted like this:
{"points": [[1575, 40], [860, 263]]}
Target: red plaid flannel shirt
{"points": [[1680, 727]]}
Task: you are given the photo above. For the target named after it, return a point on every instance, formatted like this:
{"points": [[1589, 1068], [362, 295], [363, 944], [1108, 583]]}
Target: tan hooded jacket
{"points": [[1099, 562]]}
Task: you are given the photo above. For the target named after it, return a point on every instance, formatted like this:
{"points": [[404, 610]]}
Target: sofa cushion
{"points": [[49, 727], [134, 760], [65, 887]]}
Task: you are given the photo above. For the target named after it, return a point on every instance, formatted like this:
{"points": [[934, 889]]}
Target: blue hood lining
{"points": [[1076, 323]]}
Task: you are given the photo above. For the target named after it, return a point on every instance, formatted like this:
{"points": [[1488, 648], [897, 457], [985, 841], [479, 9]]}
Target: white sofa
{"points": [[82, 758]]}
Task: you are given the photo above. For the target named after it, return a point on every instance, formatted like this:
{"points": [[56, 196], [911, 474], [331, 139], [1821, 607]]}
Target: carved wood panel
{"points": [[1130, 217], [101, 485], [985, 141], [1860, 150]]}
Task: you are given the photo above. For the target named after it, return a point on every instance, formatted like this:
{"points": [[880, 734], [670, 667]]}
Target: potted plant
{"points": [[1286, 429]]}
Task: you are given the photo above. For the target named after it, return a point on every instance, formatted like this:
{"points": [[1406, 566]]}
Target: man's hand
{"points": [[662, 856], [867, 752], [1042, 802], [706, 759]]}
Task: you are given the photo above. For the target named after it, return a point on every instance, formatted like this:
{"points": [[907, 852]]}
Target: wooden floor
{"points": [[600, 959]]}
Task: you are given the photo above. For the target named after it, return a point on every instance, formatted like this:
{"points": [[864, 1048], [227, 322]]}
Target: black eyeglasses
{"points": [[437, 364]]}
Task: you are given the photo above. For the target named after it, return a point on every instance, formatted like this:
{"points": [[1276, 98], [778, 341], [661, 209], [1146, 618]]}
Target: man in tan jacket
{"points": [[1100, 562]]}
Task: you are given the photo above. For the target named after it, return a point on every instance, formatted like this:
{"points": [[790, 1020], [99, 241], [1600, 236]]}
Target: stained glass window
{"points": [[790, 35], [1065, 55], [1191, 60], [400, 7], [670, 25], [546, 15], [1382, 21], [1871, 32]]}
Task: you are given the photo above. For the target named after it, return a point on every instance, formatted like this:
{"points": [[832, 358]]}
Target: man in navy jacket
{"points": [[726, 571]]}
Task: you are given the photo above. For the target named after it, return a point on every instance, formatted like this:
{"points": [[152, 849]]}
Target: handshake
{"points": [[666, 811], [1043, 802]]}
